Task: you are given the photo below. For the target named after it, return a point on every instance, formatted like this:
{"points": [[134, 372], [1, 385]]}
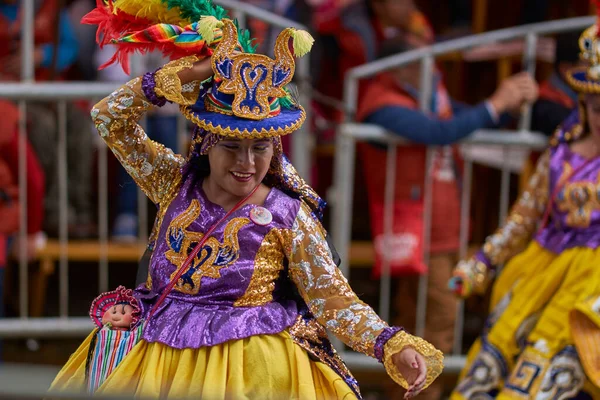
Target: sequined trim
{"points": [[252, 78], [588, 86], [169, 86], [561, 136], [522, 221], [155, 168], [577, 199], [433, 357], [244, 133], [382, 339], [267, 265], [148, 85], [476, 274], [214, 255], [325, 290]]}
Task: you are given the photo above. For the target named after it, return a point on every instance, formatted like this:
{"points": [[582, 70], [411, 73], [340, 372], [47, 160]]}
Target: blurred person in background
{"points": [[160, 125], [9, 196], [55, 50], [557, 99], [541, 338], [351, 33], [391, 100]]}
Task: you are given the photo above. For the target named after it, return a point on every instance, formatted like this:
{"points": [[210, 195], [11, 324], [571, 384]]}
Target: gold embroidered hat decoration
{"points": [[586, 79], [247, 98]]}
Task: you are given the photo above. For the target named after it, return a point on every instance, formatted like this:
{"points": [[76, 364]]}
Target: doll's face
{"points": [[119, 316]]}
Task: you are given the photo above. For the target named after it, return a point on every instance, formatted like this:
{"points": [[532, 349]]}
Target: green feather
{"points": [[245, 40], [195, 9], [290, 100]]}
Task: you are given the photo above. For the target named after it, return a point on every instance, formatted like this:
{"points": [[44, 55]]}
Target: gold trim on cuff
{"points": [[433, 357], [168, 84]]}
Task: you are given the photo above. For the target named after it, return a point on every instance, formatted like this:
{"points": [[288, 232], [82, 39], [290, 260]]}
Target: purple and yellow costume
{"points": [[248, 318], [542, 337]]}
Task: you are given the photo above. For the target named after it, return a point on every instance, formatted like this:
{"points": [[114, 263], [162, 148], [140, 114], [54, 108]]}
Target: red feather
{"points": [[112, 25]]}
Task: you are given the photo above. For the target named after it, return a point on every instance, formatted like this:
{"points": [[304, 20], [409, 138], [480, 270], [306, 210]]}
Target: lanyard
{"points": [[194, 253]]}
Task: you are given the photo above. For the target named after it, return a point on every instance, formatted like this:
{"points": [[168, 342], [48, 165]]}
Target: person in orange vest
{"points": [[10, 208], [557, 99], [351, 33], [391, 100]]}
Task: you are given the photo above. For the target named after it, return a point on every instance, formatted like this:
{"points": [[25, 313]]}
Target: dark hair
{"points": [[393, 46], [567, 48]]}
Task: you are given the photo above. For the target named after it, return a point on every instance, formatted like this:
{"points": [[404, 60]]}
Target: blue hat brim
{"points": [[229, 125], [578, 79]]}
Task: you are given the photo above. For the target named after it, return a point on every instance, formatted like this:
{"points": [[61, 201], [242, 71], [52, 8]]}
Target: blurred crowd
{"points": [[348, 33]]}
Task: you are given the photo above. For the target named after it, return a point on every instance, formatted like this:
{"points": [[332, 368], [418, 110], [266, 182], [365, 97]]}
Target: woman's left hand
{"points": [[413, 368]]}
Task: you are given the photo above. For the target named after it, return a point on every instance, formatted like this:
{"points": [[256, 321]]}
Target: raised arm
{"points": [[155, 168], [331, 300]]}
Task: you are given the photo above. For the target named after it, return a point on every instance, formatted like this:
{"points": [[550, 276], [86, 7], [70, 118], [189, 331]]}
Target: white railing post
{"points": [[427, 70], [102, 215], [63, 210], [465, 208], [388, 230], [27, 75]]}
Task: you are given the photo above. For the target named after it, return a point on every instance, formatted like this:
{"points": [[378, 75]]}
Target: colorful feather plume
{"points": [[173, 27]]}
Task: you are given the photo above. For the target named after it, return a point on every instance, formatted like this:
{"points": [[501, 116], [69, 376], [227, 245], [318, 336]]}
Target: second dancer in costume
{"points": [[542, 337]]}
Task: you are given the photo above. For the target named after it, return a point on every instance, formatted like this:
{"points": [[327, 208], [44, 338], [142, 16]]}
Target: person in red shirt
{"points": [[55, 51], [9, 201]]}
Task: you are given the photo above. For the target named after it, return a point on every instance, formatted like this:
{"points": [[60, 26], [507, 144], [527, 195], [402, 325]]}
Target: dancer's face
{"points": [[238, 166], [592, 108]]}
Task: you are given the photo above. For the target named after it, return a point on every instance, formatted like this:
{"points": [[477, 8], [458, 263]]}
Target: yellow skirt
{"points": [[258, 367], [529, 347]]}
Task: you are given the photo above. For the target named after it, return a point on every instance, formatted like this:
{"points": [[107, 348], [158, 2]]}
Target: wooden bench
{"points": [[79, 251]]}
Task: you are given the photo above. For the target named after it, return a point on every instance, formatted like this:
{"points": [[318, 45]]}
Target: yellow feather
{"points": [[302, 42], [154, 10], [206, 28]]}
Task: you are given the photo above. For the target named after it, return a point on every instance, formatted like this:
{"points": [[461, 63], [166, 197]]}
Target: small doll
{"points": [[117, 316]]}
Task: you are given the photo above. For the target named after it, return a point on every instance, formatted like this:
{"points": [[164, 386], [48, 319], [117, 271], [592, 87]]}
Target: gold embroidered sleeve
{"points": [[325, 290], [331, 300], [169, 86], [155, 168], [524, 216]]}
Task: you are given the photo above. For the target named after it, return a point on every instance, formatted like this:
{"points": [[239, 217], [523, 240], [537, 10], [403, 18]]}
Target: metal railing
{"points": [[349, 133], [29, 90]]}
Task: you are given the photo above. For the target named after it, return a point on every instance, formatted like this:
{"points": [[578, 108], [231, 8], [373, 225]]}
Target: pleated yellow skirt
{"points": [[259, 367], [527, 350]]}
